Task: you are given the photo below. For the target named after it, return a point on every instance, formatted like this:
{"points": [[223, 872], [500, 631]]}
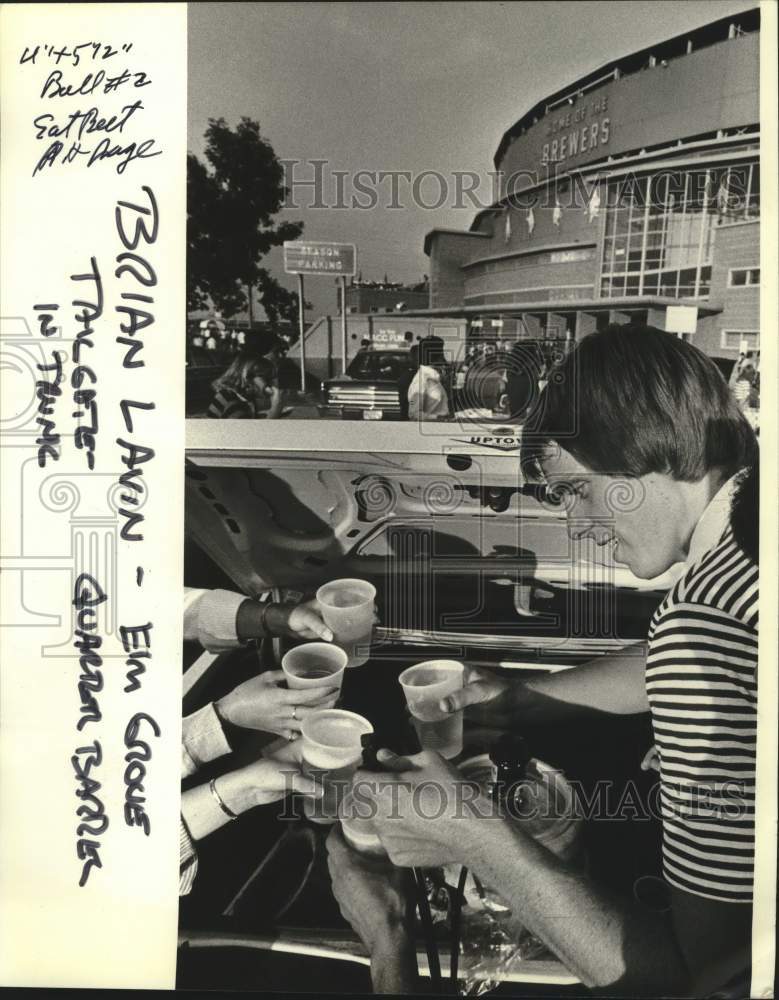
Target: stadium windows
{"points": [[740, 340], [660, 234], [739, 277]]}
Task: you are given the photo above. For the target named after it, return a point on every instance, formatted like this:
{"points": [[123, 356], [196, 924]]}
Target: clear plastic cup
{"points": [[315, 664], [332, 752], [348, 610], [424, 686], [359, 827]]}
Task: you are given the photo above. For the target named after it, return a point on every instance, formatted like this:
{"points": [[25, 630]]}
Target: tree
{"points": [[232, 201]]}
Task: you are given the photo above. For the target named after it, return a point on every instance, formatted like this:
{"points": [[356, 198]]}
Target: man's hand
{"points": [[261, 703], [485, 695], [374, 902], [425, 810], [298, 621], [305, 622], [380, 908]]}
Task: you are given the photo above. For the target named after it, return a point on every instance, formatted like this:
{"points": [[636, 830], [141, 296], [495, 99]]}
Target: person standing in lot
{"points": [[746, 391], [247, 390], [427, 398], [405, 379]]}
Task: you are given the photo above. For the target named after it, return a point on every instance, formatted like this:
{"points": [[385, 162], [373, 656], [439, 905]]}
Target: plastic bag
{"points": [[491, 945]]}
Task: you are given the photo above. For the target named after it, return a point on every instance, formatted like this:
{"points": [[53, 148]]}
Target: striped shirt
{"points": [[702, 686], [741, 390]]}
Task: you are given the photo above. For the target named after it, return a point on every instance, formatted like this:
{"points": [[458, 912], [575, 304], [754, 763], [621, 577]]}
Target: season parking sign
{"points": [[336, 259]]}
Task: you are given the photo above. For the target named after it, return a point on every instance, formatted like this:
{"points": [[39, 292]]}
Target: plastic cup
{"points": [[315, 664], [332, 752], [347, 608], [359, 828], [424, 686]]}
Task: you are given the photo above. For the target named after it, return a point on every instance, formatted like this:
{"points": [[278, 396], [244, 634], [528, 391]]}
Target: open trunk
{"points": [[469, 563]]}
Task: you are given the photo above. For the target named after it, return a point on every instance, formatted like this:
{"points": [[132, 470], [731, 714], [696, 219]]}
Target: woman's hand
{"points": [[266, 780], [261, 703]]}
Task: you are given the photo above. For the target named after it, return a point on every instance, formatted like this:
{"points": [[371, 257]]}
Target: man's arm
{"points": [[379, 906], [221, 619], [210, 617], [609, 943], [613, 684], [394, 963]]}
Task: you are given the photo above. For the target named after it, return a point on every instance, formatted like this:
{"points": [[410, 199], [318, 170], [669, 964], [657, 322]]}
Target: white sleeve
{"points": [[209, 617], [202, 739]]}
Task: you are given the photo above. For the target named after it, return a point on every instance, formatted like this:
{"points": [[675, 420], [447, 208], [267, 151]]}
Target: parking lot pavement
{"points": [[305, 410]]}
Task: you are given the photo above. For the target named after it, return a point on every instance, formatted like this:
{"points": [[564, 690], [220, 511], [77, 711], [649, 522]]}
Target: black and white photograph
{"points": [[388, 451], [471, 667]]}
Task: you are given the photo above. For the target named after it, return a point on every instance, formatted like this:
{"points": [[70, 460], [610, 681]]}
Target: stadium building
{"points": [[633, 193]]}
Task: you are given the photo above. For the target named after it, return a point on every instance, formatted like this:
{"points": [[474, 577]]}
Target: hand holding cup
{"points": [[262, 703]]}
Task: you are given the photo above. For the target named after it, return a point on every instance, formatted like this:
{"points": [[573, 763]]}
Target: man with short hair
{"points": [[641, 437]]}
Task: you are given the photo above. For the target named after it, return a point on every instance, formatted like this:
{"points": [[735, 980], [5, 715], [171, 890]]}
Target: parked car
{"points": [[369, 388], [469, 563]]}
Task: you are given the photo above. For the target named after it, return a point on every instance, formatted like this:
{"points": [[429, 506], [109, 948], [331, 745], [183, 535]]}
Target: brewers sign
{"points": [[336, 259]]}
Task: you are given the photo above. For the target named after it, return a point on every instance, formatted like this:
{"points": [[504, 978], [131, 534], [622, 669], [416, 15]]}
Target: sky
{"points": [[401, 87]]}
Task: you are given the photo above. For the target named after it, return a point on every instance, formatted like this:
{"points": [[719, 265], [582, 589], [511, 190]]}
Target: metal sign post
{"points": [[302, 333], [343, 325]]}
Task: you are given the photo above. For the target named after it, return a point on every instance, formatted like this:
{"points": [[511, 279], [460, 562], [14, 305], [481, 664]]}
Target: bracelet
{"points": [[220, 802]]}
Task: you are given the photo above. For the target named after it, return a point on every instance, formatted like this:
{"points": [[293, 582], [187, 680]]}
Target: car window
{"points": [[375, 364]]}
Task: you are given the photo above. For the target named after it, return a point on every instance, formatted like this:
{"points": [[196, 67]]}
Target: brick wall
{"points": [[736, 245]]}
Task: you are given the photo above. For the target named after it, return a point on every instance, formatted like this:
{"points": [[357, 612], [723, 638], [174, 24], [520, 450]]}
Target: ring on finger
{"points": [[295, 713]]}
